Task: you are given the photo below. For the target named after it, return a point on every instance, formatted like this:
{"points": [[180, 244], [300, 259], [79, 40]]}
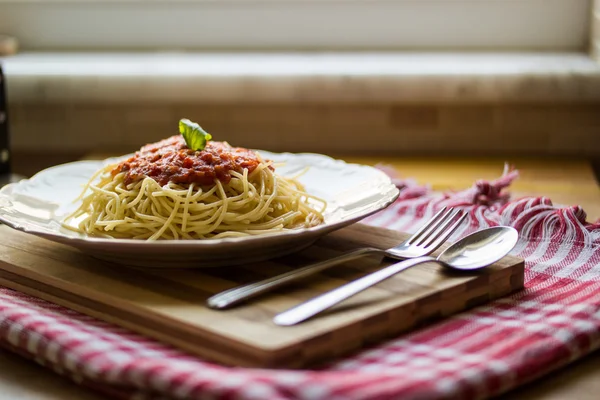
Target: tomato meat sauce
{"points": [[170, 160]]}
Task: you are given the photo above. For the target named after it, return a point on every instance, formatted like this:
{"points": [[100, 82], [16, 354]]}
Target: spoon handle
{"points": [[321, 303]]}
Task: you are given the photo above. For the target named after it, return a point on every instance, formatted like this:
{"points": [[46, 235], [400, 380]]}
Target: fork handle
{"points": [[327, 300], [234, 296]]}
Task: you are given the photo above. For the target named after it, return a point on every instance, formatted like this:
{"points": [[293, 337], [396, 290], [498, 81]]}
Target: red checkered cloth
{"points": [[476, 354]]}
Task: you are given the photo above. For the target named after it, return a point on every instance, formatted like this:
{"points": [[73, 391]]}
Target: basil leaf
{"points": [[195, 137]]}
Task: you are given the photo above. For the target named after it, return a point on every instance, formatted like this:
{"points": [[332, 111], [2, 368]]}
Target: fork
{"points": [[423, 242]]}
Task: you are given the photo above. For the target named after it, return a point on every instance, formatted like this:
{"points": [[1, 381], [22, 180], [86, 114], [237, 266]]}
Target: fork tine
{"points": [[429, 224], [443, 221], [439, 228], [448, 232]]}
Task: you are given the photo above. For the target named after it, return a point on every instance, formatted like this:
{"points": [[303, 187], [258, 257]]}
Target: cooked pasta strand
{"points": [[255, 203]]}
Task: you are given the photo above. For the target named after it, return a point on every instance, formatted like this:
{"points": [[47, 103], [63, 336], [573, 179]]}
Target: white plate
{"points": [[353, 192]]}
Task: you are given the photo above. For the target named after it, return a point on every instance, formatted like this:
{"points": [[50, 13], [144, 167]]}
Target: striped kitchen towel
{"points": [[476, 354]]}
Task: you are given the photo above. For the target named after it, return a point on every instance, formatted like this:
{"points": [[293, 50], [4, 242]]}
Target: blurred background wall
{"points": [[469, 78]]}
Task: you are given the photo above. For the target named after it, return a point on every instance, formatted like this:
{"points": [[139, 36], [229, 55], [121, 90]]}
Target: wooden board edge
{"points": [[327, 346], [131, 322], [12, 275]]}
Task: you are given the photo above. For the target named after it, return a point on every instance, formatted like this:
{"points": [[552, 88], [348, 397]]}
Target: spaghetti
{"points": [[168, 191]]}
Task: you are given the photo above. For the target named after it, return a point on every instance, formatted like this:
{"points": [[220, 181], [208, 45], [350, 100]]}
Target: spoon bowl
{"points": [[480, 249], [472, 252]]}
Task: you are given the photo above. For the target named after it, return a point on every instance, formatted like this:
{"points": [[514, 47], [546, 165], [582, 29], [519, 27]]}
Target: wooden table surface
{"points": [[568, 182]]}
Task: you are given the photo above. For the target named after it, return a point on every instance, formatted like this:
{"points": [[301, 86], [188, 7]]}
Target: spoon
{"points": [[472, 252]]}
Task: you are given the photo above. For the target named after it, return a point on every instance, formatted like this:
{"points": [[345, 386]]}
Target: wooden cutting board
{"points": [[169, 304]]}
